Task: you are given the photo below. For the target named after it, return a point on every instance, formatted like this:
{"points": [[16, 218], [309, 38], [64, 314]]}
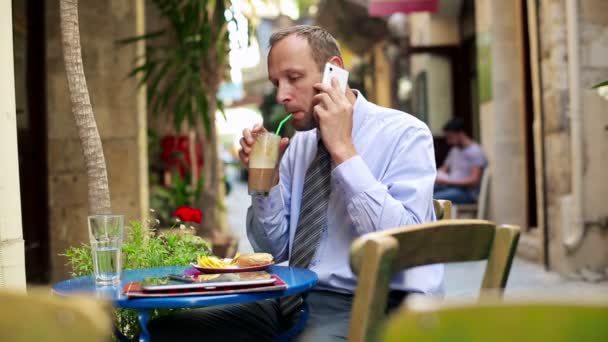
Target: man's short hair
{"points": [[453, 126], [323, 45]]}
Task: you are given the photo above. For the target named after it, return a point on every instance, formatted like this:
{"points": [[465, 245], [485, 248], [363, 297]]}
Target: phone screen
{"points": [[209, 280]]}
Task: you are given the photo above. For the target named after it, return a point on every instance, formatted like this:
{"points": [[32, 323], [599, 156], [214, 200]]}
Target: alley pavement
{"points": [[462, 280]]}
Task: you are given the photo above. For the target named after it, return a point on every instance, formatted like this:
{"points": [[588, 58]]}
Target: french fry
{"points": [[212, 262], [236, 257]]}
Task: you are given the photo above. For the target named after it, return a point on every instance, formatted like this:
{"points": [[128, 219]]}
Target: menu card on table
{"points": [[138, 290]]}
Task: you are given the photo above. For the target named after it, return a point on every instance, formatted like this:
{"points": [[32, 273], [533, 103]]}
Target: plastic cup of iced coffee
{"points": [[263, 161]]}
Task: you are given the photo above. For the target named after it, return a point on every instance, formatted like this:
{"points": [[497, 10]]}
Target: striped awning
{"points": [[382, 8]]}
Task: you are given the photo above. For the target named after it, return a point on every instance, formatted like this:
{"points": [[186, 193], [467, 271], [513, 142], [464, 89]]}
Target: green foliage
{"points": [[601, 84], [185, 60], [304, 6], [179, 193], [80, 260], [142, 248]]}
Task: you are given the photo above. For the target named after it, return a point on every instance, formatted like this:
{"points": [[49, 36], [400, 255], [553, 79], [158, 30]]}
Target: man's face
{"points": [[453, 138], [293, 71]]}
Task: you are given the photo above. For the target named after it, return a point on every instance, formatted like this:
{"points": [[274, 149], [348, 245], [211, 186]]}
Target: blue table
{"points": [[298, 280]]}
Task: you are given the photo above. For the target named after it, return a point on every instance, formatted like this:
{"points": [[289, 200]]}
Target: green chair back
{"points": [[499, 322], [39, 316], [377, 256]]}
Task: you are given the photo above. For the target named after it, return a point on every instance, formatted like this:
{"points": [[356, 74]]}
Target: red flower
{"points": [[189, 214]]}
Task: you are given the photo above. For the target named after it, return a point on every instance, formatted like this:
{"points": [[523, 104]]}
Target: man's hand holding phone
{"points": [[332, 71], [334, 113]]}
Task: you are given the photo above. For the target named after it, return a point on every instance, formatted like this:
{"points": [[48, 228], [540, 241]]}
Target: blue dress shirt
{"points": [[388, 184]]}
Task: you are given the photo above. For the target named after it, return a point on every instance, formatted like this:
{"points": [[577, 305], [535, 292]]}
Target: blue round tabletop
{"points": [[298, 280]]}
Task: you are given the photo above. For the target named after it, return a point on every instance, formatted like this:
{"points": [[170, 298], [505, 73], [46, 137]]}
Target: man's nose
{"points": [[283, 95]]}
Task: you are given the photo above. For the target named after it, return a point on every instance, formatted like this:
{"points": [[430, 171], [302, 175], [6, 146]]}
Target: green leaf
{"points": [[162, 73], [201, 102], [192, 115], [147, 69], [601, 84], [220, 107], [139, 69], [163, 192], [200, 184], [149, 35], [181, 110]]}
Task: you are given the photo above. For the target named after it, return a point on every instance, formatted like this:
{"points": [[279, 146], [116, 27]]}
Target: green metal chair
{"points": [[39, 316], [423, 320]]}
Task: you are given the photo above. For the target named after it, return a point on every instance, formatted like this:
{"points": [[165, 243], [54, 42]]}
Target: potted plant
{"points": [[144, 248]]}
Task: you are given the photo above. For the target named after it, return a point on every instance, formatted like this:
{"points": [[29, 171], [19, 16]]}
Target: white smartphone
{"points": [[340, 74]]}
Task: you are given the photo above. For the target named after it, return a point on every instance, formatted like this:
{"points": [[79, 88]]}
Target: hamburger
{"points": [[254, 259]]}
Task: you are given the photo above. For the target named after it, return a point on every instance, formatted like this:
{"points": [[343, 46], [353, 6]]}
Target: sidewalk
{"points": [[525, 280], [461, 279]]}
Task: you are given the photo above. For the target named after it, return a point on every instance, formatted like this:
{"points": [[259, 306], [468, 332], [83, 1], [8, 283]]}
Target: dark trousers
{"points": [[261, 321]]}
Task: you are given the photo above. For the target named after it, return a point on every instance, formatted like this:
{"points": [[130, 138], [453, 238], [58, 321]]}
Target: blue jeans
{"points": [[456, 195]]}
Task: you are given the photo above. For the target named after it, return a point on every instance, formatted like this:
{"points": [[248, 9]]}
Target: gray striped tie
{"points": [[313, 218]]}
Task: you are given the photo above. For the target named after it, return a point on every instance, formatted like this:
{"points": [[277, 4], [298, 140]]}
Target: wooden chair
{"points": [[480, 209], [443, 209], [422, 320], [39, 316], [377, 256]]}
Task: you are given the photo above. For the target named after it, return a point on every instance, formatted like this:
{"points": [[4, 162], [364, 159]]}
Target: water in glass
{"points": [[107, 261]]}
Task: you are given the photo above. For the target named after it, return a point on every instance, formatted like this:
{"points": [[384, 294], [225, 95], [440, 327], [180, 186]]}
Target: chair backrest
{"points": [[40, 316], [377, 256], [484, 194], [443, 209], [420, 320]]}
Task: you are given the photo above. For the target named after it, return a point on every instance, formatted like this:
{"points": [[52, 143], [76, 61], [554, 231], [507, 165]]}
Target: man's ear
{"points": [[337, 60]]}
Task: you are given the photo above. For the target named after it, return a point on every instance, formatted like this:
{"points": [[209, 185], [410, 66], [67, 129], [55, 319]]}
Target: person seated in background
{"points": [[459, 177]]}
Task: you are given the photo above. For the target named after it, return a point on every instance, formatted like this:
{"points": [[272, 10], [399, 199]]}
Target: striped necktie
{"points": [[313, 212], [313, 217]]}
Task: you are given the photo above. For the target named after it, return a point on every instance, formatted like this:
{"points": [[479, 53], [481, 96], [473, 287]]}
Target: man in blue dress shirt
{"points": [[382, 176]]}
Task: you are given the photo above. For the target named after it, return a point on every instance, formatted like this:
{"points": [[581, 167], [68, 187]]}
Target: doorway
{"points": [[30, 90]]}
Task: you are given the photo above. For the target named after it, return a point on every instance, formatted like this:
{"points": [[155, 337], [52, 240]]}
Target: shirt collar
{"points": [[359, 111]]}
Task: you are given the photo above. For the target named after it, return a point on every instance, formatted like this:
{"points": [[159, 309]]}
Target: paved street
{"points": [[462, 279]]}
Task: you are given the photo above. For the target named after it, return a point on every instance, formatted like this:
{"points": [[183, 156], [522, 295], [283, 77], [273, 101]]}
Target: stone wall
{"points": [[502, 113], [555, 101], [591, 255], [120, 113]]}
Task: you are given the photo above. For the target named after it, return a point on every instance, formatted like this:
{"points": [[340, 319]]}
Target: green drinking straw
{"points": [[283, 122]]}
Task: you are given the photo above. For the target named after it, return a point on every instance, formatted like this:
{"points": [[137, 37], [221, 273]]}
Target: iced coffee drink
{"points": [[262, 163]]}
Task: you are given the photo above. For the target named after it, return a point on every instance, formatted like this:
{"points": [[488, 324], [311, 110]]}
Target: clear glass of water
{"points": [[106, 233]]}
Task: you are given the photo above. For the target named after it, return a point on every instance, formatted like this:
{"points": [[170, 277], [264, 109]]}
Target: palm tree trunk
{"points": [[99, 192]]}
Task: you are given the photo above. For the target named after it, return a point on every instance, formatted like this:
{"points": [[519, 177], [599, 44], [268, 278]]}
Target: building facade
{"points": [[52, 170], [529, 67]]}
